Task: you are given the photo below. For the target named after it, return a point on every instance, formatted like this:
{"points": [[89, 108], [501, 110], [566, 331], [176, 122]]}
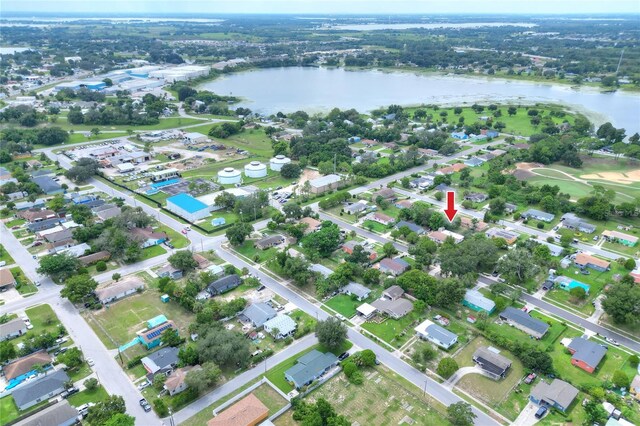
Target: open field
{"points": [[23, 284], [383, 399], [96, 395], [165, 123], [117, 324], [4, 254], [395, 332], [9, 410]]}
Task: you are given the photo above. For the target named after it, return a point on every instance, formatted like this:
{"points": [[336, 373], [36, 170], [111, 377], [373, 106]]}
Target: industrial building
{"points": [[325, 183], [278, 161], [187, 207], [162, 175], [181, 73], [229, 176], [255, 169]]}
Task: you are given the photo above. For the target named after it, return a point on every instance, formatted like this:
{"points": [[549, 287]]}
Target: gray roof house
{"points": [[586, 354], [355, 207], [60, 414], [537, 214], [557, 394], [392, 293], [310, 367], [321, 269], [283, 324], [358, 290], [523, 321], [44, 224], [258, 313], [510, 208], [492, 362], [412, 226], [40, 390], [270, 241], [436, 334], [476, 197], [161, 362], [11, 329], [393, 266], [47, 185], [394, 308], [571, 221], [223, 284], [474, 162]]}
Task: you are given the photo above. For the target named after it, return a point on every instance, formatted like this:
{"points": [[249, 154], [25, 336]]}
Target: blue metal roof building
{"points": [[184, 205]]}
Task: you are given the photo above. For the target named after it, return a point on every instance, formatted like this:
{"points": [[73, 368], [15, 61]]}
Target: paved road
{"points": [[242, 379], [568, 316], [111, 376]]}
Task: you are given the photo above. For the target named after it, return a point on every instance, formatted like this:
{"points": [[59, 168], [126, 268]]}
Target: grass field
{"points": [[512, 333], [252, 140], [165, 123], [118, 324], [9, 410], [383, 399], [96, 395], [177, 239], [152, 251], [492, 392], [374, 226], [23, 284], [395, 332], [5, 256], [80, 137], [346, 305], [248, 250]]}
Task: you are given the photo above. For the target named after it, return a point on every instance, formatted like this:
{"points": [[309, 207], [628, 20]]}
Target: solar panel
{"points": [[159, 331]]}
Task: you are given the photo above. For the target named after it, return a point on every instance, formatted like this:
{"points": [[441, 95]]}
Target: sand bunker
{"points": [[528, 166], [617, 177]]}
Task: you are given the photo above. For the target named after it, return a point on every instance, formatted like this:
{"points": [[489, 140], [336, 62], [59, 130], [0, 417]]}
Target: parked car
{"points": [[612, 341], [343, 356], [146, 408], [168, 244], [90, 362], [530, 378], [541, 412], [441, 320], [143, 402], [340, 317], [262, 287], [585, 272], [144, 385]]}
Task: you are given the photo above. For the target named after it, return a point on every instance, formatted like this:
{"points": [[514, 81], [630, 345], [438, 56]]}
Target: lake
{"points": [[320, 89], [427, 26]]}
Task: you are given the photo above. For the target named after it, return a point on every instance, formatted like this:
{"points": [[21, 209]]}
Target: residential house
{"points": [[33, 216], [366, 311], [39, 390], [268, 242], [441, 235], [355, 208], [26, 205], [224, 284], [25, 364], [386, 194], [421, 182], [280, 326], [393, 293], [11, 329], [369, 143], [163, 361], [451, 169], [249, 411], [45, 224], [571, 221], [404, 204], [321, 269], [468, 223], [476, 301], [634, 388], [6, 278], [459, 135], [474, 162], [58, 414], [310, 367], [510, 208], [584, 260], [350, 245], [60, 246], [396, 308], [381, 218], [620, 238], [557, 394], [393, 267], [175, 383], [538, 215], [63, 235], [524, 322], [151, 337], [202, 261], [358, 290], [508, 236], [476, 197], [429, 152], [412, 227], [586, 354], [169, 271], [312, 224], [258, 313], [443, 187], [436, 334], [148, 236], [48, 185], [94, 258], [492, 362], [118, 290]]}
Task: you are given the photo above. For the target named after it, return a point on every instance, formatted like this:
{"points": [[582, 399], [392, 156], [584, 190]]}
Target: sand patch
{"points": [[617, 177], [528, 166]]}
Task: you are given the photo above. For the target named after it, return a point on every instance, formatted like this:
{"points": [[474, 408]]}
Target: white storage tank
{"points": [[255, 169], [229, 175], [278, 161]]}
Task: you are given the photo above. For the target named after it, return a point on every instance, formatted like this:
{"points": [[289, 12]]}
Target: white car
{"points": [[144, 385], [90, 362]]}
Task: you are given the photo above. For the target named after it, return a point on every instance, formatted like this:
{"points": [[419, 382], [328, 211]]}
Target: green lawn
{"points": [[374, 226], [554, 332], [23, 284], [176, 238], [248, 250], [395, 332], [80, 372], [15, 222], [346, 305], [96, 395], [119, 323], [5, 256], [165, 123], [152, 251], [9, 410], [79, 137], [43, 319]]}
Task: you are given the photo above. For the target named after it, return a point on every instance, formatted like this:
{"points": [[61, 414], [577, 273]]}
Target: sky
{"points": [[155, 7]]}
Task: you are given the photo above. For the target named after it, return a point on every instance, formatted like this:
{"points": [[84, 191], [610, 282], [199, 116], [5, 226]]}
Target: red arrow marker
{"points": [[451, 211]]}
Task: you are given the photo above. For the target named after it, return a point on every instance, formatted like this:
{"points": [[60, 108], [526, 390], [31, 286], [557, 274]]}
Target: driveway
{"points": [[527, 416]]}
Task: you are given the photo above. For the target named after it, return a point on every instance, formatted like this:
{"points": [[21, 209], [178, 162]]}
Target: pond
{"points": [[320, 89]]}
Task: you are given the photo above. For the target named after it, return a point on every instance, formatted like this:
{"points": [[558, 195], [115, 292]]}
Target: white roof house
{"points": [[284, 324], [366, 310]]}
